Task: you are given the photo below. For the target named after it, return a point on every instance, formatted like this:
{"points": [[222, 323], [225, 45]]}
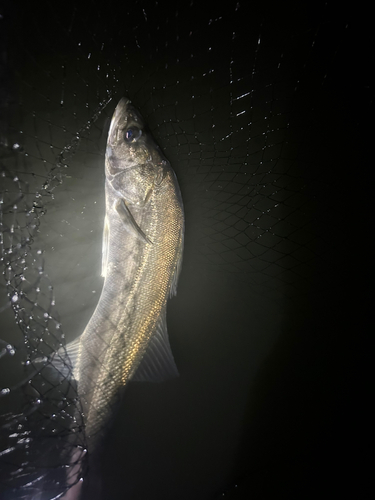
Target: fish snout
{"points": [[119, 112]]}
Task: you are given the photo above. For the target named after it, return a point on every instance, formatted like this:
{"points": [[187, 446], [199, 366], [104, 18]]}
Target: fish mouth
{"points": [[117, 114]]}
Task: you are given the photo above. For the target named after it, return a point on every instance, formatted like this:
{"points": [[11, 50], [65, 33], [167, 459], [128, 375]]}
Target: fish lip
{"points": [[118, 113], [123, 102]]}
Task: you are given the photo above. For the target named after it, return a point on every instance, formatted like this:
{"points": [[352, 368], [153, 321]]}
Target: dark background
{"points": [[267, 326]]}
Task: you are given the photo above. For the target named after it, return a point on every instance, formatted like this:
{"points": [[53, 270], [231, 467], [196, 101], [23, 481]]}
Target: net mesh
{"points": [[244, 101]]}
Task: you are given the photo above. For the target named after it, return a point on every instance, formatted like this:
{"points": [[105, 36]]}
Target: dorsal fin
{"points": [[157, 363], [177, 271]]}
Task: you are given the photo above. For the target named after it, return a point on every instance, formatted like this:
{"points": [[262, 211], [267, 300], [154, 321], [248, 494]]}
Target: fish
{"points": [[126, 337]]}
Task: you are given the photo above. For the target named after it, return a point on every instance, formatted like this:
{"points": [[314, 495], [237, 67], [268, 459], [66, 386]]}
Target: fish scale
{"points": [[145, 220]]}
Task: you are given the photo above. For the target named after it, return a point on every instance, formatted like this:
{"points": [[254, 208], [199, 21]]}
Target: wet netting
{"points": [[260, 108]]}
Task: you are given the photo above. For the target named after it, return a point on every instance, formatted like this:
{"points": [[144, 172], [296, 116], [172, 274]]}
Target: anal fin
{"points": [[105, 247], [63, 362]]}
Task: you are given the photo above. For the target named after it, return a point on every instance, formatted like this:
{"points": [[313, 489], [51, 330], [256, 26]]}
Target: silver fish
{"points": [[126, 337], [142, 254]]}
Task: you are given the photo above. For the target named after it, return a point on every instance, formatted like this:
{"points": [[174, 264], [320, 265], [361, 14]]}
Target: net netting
{"points": [[252, 105]]}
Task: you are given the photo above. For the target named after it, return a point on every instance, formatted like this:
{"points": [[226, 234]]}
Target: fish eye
{"points": [[132, 134]]}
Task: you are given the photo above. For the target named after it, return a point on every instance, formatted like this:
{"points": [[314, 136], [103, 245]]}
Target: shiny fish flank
{"points": [[126, 336]]}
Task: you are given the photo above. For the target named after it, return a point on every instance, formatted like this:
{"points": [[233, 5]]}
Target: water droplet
{"points": [[11, 350]]}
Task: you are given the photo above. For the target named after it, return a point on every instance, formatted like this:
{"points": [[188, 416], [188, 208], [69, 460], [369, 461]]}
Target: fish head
{"points": [[134, 162]]}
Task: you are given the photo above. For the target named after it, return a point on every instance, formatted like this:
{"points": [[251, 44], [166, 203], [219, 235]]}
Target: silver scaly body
{"points": [[142, 253], [126, 337]]}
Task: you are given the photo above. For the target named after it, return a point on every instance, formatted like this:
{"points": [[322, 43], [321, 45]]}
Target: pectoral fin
{"points": [[130, 224], [157, 364]]}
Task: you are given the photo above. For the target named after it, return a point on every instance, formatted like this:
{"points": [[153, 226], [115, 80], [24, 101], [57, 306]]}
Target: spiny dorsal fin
{"points": [[176, 274]]}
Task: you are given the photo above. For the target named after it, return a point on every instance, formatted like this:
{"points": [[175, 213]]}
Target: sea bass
{"points": [[142, 254], [126, 337]]}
